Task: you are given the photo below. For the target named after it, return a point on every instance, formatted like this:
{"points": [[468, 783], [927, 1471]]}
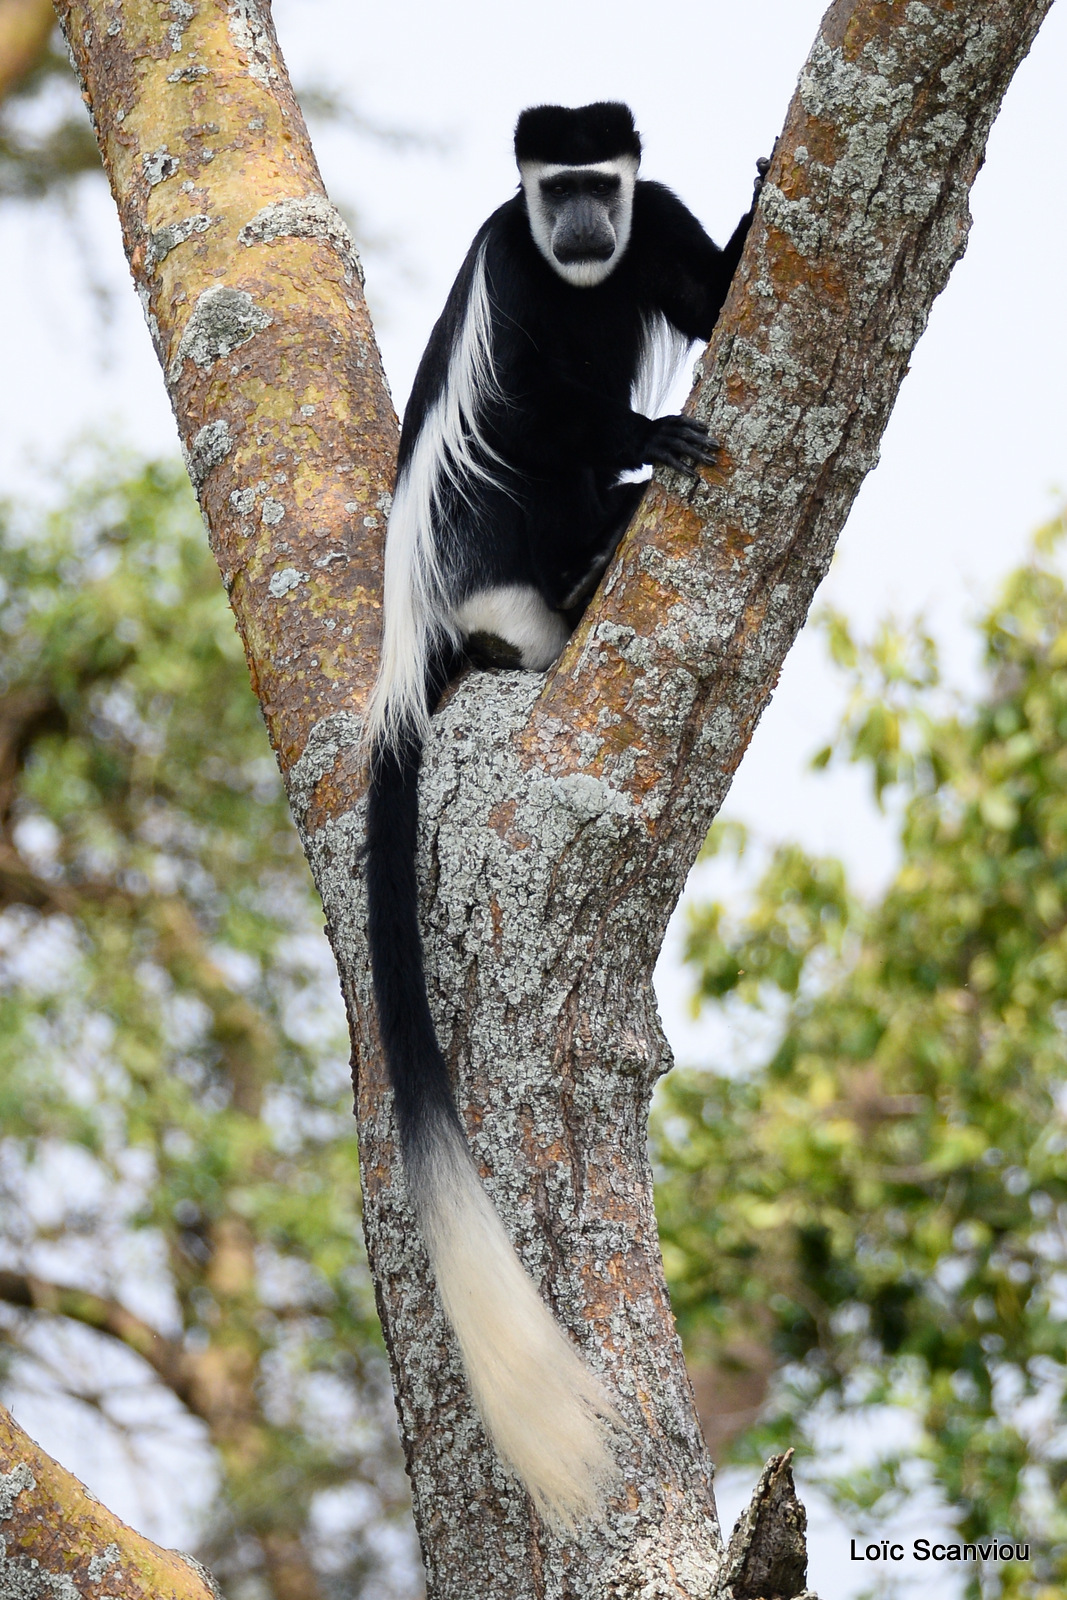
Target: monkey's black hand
{"points": [[678, 441]]}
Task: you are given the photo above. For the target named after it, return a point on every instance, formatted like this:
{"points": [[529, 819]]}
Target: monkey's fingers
{"points": [[706, 450], [682, 464], [683, 437], [685, 431]]}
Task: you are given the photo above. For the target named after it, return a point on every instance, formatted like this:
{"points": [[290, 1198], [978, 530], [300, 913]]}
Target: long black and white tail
{"points": [[544, 1411]]}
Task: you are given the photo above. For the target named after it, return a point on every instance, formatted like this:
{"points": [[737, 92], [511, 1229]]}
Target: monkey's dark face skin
{"points": [[580, 216]]}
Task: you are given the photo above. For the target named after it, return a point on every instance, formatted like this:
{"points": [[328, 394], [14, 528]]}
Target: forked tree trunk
{"points": [[560, 814]]}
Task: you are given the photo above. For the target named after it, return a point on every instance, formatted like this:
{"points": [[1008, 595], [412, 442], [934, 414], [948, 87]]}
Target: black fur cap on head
{"points": [[578, 137]]}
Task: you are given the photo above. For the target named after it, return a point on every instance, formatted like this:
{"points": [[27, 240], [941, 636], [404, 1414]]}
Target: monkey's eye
{"points": [[604, 188], [558, 191]]}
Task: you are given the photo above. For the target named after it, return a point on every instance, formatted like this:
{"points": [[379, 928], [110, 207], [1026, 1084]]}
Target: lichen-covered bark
{"points": [[252, 291], [57, 1540], [560, 815]]}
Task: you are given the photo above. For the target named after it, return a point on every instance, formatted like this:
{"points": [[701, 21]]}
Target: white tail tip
{"points": [[546, 1414]]}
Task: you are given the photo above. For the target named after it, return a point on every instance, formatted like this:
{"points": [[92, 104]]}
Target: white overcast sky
{"points": [[973, 458]]}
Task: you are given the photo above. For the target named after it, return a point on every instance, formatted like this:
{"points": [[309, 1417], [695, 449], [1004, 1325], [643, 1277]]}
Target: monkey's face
{"points": [[580, 216]]}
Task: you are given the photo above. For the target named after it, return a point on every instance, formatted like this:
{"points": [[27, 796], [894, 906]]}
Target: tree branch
{"points": [[863, 215], [56, 1538], [253, 295], [165, 1356], [25, 714]]}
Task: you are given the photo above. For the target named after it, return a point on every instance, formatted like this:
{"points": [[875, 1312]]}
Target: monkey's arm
{"points": [[569, 423], [684, 273], [731, 254]]}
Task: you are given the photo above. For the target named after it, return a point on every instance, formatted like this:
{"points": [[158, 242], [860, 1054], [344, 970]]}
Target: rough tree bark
{"points": [[560, 813], [57, 1540]]}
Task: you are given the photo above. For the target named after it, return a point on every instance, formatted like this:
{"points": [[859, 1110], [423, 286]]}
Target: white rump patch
{"points": [[517, 614], [450, 448], [545, 1412]]}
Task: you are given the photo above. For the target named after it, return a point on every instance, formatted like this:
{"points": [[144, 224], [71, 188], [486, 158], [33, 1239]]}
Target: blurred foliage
{"points": [[873, 1214], [46, 140], [178, 1173]]}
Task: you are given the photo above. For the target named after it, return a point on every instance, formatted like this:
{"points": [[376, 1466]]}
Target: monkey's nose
{"points": [[583, 244]]}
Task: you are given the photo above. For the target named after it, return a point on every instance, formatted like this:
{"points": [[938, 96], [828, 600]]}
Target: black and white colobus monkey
{"points": [[508, 507]]}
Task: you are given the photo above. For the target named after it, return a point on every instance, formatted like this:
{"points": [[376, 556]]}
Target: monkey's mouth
{"points": [[569, 252]]}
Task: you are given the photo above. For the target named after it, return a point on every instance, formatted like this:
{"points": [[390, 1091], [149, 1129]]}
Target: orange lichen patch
{"points": [[675, 516], [815, 279], [823, 142], [732, 543], [332, 794], [601, 1299], [502, 816], [878, 21], [540, 1156], [73, 1542]]}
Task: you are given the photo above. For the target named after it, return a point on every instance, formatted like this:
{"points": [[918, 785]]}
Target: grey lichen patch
{"points": [[631, 645], [103, 1562], [211, 445], [221, 321], [22, 1579], [282, 582], [975, 60], [821, 433], [12, 1484], [243, 501], [144, 296], [159, 165], [339, 731], [588, 797], [272, 513], [187, 74], [207, 1578], [852, 93], [250, 35], [183, 13], [310, 217], [164, 240], [797, 219], [654, 1570]]}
